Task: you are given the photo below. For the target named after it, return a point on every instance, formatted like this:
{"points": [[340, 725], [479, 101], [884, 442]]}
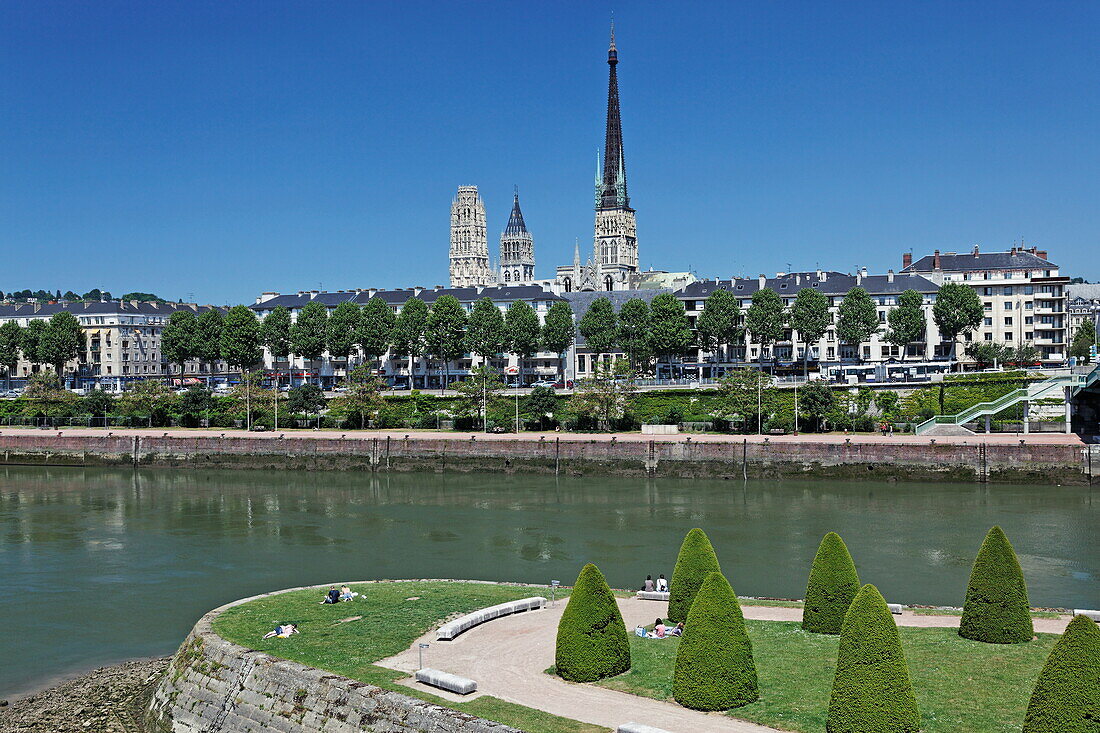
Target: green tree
{"points": [[599, 326], [478, 392], [521, 324], [857, 319], [362, 398], [906, 321], [11, 339], [764, 319], [1066, 698], [592, 641], [811, 318], [341, 330], [446, 331], [33, 342], [541, 403], [558, 330], [409, 330], [208, 344], [1083, 339], [988, 352], [670, 332], [831, 588], [485, 333], [744, 397], [720, 322], [375, 333], [635, 324], [196, 401], [149, 399], [179, 337], [817, 401], [240, 345], [1026, 354], [871, 688], [607, 395], [996, 609], [305, 399], [62, 341], [275, 334], [308, 333], [714, 665], [694, 563], [957, 311], [98, 404]]}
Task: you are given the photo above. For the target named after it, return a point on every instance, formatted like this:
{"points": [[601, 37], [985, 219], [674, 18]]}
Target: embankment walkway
{"points": [[508, 658]]}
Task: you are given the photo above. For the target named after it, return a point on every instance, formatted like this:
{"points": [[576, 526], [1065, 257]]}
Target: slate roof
{"points": [[835, 283], [969, 262], [1088, 291], [500, 293], [111, 307]]}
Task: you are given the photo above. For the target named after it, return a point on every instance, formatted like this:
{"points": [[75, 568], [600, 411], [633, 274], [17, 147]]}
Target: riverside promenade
{"points": [[1040, 458]]}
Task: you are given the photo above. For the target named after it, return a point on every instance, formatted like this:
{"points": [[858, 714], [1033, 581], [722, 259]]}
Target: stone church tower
{"points": [[517, 249], [469, 243]]}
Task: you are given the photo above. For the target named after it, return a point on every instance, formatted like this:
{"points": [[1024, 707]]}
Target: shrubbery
{"points": [[694, 563], [592, 641], [714, 664], [996, 609], [871, 689], [832, 585], [1067, 694]]}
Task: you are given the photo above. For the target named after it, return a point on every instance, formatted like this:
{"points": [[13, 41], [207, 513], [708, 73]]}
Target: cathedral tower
{"points": [[469, 244], [616, 243], [517, 249]]}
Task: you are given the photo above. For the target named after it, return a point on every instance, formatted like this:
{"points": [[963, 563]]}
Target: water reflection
{"points": [[140, 555]]}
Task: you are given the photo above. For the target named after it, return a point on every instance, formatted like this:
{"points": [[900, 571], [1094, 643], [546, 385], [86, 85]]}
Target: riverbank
{"points": [[106, 700], [1039, 458]]}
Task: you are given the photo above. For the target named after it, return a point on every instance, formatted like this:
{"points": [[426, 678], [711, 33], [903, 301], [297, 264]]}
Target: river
{"points": [[102, 565]]}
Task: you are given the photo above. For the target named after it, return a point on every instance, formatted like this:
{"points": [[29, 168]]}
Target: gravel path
{"points": [[508, 658]]}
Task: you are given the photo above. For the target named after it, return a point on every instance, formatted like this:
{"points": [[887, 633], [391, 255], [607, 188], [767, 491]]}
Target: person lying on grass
{"points": [[283, 631]]}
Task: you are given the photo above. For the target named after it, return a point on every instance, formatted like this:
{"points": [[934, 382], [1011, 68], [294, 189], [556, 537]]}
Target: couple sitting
{"points": [[660, 630], [661, 586], [283, 631], [335, 596]]}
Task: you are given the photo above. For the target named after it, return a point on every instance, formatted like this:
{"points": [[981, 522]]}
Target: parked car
{"points": [[543, 383], [10, 394], [400, 385]]}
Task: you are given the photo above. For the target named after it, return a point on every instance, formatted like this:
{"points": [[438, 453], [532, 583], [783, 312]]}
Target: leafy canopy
{"points": [[599, 326]]}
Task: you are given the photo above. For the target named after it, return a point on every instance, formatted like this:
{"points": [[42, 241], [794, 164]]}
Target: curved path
{"points": [[508, 658]]}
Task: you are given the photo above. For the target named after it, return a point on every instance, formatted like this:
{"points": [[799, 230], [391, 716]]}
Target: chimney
{"points": [[889, 276], [763, 281], [1041, 254], [936, 264], [1012, 251], [863, 272], [906, 259], [975, 250]]}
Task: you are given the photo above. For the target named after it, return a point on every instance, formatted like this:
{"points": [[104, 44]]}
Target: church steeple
{"points": [[613, 184], [517, 248]]}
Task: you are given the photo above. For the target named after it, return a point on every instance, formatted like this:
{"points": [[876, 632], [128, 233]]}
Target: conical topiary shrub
{"points": [[592, 641], [871, 689], [694, 563], [714, 665], [1067, 694], [996, 609], [832, 585]]}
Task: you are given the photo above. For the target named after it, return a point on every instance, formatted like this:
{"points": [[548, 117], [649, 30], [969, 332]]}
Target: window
{"points": [[1028, 320], [1029, 305], [1008, 336], [1028, 335], [988, 305], [866, 352], [1029, 290], [1008, 306], [988, 336], [1008, 290], [882, 316], [988, 321], [987, 291], [1008, 320], [831, 352]]}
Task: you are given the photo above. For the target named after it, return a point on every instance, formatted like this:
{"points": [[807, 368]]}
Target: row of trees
{"points": [[53, 342], [661, 328]]}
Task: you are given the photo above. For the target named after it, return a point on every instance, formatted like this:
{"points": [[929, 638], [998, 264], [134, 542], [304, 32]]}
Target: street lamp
{"points": [[421, 653], [553, 590]]}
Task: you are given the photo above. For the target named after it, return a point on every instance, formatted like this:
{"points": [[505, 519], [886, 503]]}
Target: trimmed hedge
{"points": [[996, 608], [833, 584], [1067, 694], [694, 563], [714, 665], [871, 689], [592, 641]]}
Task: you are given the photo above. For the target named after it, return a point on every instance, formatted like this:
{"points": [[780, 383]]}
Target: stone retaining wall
{"points": [[733, 458], [213, 685]]}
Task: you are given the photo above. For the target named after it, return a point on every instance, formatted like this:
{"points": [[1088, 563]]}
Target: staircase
{"points": [[1048, 388]]}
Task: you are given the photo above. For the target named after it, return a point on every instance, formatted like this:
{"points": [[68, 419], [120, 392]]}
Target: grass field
{"points": [[394, 615], [961, 686]]}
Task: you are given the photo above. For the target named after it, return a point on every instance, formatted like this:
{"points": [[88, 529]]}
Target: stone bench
{"points": [[895, 608], [1094, 615], [638, 728], [652, 595], [451, 629], [446, 681]]}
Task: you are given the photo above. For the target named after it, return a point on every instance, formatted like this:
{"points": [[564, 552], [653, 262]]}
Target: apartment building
{"points": [[122, 341], [1082, 304], [1023, 293]]}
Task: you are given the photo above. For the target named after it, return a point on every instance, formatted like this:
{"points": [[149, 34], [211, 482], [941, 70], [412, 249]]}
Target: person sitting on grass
{"points": [[678, 631], [283, 631], [333, 596], [347, 594], [659, 630]]}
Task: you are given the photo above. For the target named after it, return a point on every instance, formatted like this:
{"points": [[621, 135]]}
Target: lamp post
{"points": [[421, 654], [554, 590]]}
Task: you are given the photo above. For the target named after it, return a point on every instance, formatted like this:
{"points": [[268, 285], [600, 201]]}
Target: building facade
{"points": [[469, 243], [1082, 304], [1023, 294], [517, 249]]}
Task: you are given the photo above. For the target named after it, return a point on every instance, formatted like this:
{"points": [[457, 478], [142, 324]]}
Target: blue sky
{"points": [[218, 149]]}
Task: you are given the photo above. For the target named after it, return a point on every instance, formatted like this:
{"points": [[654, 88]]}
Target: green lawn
{"points": [[391, 622], [962, 686]]}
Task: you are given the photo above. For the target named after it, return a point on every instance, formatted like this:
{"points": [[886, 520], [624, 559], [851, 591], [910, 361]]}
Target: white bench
{"points": [[638, 728], [451, 629], [652, 595], [1094, 615], [446, 681], [894, 607]]}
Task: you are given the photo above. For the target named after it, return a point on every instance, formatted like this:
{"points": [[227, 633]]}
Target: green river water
{"points": [[102, 565]]}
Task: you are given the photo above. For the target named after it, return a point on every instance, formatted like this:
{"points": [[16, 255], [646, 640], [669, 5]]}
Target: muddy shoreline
{"points": [[105, 700]]}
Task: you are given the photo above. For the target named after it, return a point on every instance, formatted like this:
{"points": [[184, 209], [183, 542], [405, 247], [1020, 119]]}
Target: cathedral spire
{"points": [[515, 220], [613, 184]]}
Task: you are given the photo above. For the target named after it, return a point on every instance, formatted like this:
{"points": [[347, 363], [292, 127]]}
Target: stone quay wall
{"points": [[732, 458], [213, 685]]}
